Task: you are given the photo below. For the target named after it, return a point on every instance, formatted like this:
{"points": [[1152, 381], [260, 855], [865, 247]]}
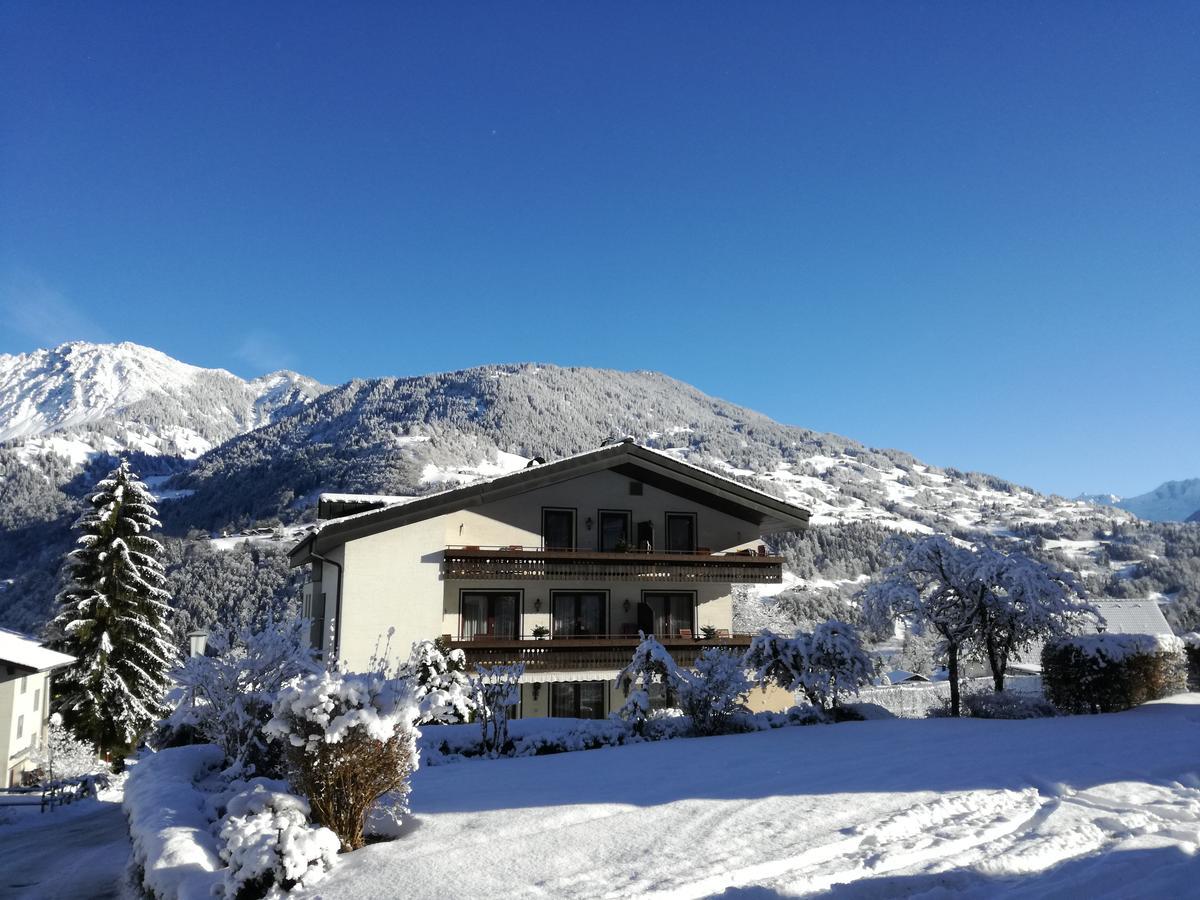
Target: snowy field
{"points": [[1087, 806]]}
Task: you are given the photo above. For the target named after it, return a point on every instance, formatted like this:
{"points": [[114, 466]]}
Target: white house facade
{"points": [[26, 668], [558, 566]]}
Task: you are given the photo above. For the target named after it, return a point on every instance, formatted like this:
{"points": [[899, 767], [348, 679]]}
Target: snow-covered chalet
{"points": [[557, 566]]}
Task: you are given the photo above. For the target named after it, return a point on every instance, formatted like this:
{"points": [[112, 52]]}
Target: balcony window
{"points": [[681, 532], [577, 700], [665, 614], [558, 529], [579, 614], [490, 614], [614, 531]]}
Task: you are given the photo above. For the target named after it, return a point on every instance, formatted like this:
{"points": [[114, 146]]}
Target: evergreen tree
{"points": [[112, 617]]}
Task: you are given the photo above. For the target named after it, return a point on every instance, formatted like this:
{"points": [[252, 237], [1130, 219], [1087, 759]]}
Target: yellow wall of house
{"points": [[392, 580]]}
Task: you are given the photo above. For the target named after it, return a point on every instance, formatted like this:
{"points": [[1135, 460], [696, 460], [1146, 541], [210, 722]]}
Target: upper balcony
{"points": [[515, 563]]}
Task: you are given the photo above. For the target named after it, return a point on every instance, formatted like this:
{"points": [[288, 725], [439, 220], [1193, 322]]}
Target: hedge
{"points": [[1191, 646], [1109, 672]]}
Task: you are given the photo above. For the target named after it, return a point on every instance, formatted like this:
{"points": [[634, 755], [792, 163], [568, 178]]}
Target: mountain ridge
{"points": [[1171, 501]]}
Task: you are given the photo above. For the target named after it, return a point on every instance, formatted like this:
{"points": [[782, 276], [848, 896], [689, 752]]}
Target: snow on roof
{"points": [[900, 676], [1132, 617], [20, 650]]}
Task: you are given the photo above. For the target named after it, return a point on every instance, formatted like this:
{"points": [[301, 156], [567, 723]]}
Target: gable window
{"points": [[558, 529], [37, 699], [490, 614], [665, 614], [614, 531], [20, 726], [577, 700], [578, 614], [681, 532]]}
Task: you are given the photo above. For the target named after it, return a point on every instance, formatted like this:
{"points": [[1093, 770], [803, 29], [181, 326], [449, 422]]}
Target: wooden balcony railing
{"points": [[583, 654], [528, 564]]}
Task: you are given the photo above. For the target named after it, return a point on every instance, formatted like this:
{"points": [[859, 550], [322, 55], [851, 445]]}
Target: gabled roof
{"points": [[652, 467], [1141, 616], [23, 652]]}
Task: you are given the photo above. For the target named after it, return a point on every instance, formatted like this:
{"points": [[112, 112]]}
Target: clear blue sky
{"points": [[971, 231]]}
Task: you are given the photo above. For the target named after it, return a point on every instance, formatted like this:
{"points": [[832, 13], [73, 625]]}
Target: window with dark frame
{"points": [[614, 530], [558, 529], [665, 613], [681, 532], [577, 700], [578, 614], [490, 614]]}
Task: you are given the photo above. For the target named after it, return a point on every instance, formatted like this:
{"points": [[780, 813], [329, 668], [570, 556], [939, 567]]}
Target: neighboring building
{"points": [[1142, 616], [25, 670], [557, 566]]}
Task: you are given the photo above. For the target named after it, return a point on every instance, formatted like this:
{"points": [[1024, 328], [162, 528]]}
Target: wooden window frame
{"points": [[601, 513], [574, 511], [518, 625], [667, 516], [661, 591], [607, 594], [604, 704]]}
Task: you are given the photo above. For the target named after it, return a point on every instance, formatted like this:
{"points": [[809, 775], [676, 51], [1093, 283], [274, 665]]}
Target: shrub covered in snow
{"points": [[711, 693], [1007, 705], [651, 664], [268, 844], [349, 739], [227, 696], [493, 692], [827, 665], [443, 689], [62, 755], [1110, 672], [1191, 648]]}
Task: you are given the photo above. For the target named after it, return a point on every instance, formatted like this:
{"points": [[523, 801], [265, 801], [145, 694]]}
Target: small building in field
{"points": [[558, 566], [26, 668]]}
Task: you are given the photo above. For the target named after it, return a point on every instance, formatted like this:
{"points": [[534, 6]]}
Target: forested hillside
{"points": [[416, 435]]}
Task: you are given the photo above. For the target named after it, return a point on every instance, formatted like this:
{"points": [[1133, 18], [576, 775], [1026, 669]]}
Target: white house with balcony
{"points": [[558, 566]]}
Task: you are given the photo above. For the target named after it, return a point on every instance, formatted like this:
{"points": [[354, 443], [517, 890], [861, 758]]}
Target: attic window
{"points": [[635, 488]]}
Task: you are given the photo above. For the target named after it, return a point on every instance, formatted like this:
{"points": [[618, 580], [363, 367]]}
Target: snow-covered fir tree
{"points": [[113, 618]]}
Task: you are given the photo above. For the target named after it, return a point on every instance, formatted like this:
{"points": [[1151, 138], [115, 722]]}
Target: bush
{"points": [[493, 692], [1110, 672], [267, 842], [711, 694], [1007, 705], [1191, 647], [349, 740]]}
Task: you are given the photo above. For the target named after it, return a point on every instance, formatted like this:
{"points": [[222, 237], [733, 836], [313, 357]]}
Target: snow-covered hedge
{"points": [[1191, 647], [174, 850], [1110, 672], [1007, 705]]}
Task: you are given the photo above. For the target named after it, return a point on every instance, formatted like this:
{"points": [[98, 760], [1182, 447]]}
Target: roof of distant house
{"points": [[1142, 616], [639, 463], [24, 652]]}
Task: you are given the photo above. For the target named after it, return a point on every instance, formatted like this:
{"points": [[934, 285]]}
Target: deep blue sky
{"points": [[971, 231]]}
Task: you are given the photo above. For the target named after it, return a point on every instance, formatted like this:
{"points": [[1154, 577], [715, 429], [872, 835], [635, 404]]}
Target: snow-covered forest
{"points": [[415, 435]]}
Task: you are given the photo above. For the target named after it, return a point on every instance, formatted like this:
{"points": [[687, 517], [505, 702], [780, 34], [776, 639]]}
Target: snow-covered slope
{"points": [[81, 398]]}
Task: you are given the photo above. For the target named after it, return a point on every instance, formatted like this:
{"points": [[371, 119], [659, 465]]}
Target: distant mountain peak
{"points": [[128, 396], [1171, 501]]}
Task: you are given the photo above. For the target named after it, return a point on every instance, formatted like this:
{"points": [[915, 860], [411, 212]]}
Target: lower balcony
{"points": [[591, 654], [529, 564]]}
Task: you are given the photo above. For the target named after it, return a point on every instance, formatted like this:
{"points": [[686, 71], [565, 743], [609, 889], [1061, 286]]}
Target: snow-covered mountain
{"points": [[1171, 501], [412, 435], [81, 398]]}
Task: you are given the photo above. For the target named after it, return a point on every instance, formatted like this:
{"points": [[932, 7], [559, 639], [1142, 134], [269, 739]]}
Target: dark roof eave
{"points": [[778, 514]]}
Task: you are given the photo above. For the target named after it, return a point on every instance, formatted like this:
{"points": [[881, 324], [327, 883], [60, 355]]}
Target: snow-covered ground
{"points": [[1087, 806], [75, 852]]}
